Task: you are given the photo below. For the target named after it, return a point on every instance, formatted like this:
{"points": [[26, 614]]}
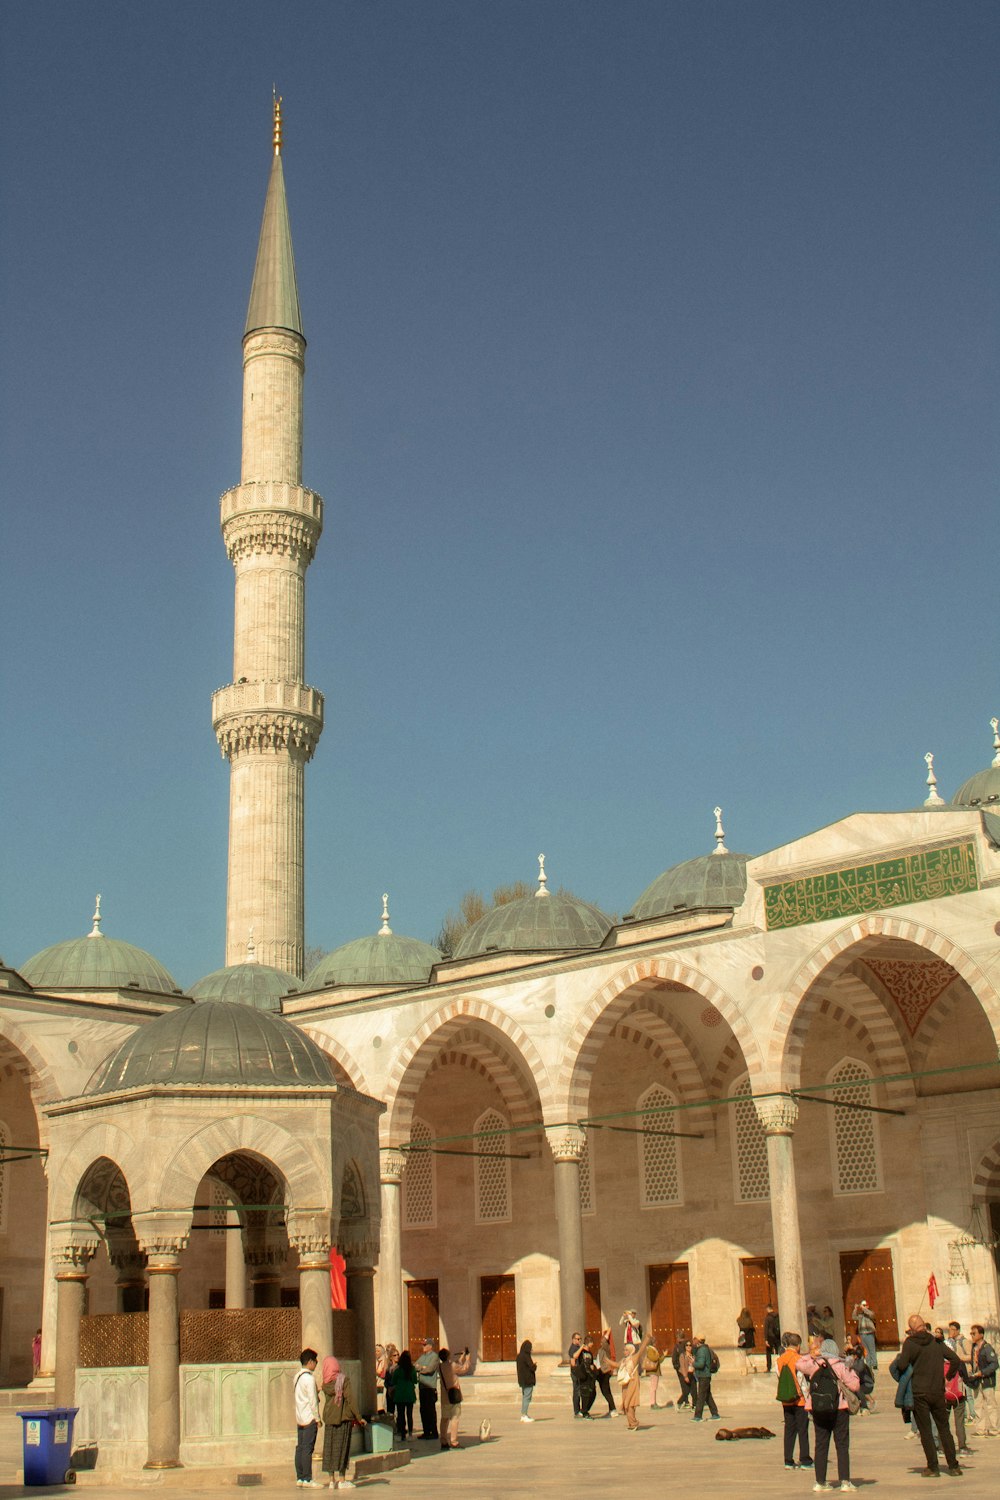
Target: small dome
{"points": [[97, 962], [711, 880], [215, 1042], [536, 924], [247, 984], [384, 958], [981, 790]]}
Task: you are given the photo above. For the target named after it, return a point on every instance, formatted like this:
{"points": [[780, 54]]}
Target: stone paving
{"points": [[556, 1453]]}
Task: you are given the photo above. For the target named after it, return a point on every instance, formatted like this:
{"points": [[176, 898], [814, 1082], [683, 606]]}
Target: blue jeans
{"points": [[527, 1391], [868, 1339], [304, 1446]]}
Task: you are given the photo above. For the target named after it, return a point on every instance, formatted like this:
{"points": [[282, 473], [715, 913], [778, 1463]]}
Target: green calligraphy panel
{"points": [[862, 888]]}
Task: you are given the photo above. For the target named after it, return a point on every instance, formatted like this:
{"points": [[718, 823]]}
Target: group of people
{"points": [[406, 1383], [592, 1371]]}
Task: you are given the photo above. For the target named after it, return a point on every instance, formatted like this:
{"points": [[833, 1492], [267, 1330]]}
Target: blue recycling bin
{"points": [[48, 1443]]}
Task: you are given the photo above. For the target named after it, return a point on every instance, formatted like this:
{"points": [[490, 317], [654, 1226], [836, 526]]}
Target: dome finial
{"points": [[276, 97], [995, 726], [95, 931], [932, 799], [543, 879], [720, 837], [251, 947], [385, 930]]}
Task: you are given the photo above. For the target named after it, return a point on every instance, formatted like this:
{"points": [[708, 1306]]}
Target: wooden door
{"points": [[422, 1318], [669, 1304], [499, 1318], [759, 1288], [866, 1275], [592, 1306]]}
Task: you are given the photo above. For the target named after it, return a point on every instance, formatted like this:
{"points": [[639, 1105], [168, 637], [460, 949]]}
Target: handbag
{"points": [[741, 1342], [852, 1398], [454, 1395]]}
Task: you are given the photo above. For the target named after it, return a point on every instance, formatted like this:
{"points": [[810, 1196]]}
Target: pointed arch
{"points": [[486, 1036], [642, 980], [98, 1141], [306, 1179], [791, 1023]]}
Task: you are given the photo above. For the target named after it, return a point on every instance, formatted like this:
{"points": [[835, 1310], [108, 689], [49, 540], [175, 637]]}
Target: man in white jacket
{"points": [[306, 1419]]}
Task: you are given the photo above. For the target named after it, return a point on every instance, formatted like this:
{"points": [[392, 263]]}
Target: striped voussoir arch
{"points": [[346, 1068], [986, 1183], [469, 1050], [940, 1012], [18, 1051], [670, 1050], [491, 1038], [799, 1005], [868, 1028], [636, 985]]}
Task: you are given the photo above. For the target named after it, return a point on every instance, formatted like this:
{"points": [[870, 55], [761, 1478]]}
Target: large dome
{"points": [[215, 1042], [711, 880], [97, 962], [536, 924], [983, 789], [385, 958], [254, 984]]}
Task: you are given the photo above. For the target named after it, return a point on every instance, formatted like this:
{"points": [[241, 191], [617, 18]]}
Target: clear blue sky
{"points": [[651, 386]]}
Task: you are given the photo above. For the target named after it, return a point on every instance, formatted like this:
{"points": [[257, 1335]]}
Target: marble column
{"points": [[567, 1142], [72, 1262], [778, 1117], [164, 1427], [314, 1297], [236, 1265], [49, 1294], [390, 1260], [361, 1301]]}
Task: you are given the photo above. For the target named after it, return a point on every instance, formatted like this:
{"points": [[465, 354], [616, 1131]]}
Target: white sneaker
{"points": [[845, 1484], [818, 1489], [347, 1484], [527, 1419]]}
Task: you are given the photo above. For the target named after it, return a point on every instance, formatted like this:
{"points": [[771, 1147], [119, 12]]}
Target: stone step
{"points": [[26, 1398]]}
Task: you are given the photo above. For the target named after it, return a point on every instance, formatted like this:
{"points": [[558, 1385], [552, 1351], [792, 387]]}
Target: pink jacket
{"points": [[808, 1366]]}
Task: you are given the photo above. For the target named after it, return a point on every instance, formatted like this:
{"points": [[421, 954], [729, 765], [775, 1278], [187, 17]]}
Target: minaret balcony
{"points": [[267, 697], [257, 496], [267, 716]]}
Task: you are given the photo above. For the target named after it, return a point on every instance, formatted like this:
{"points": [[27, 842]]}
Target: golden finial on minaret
{"points": [[277, 121]]}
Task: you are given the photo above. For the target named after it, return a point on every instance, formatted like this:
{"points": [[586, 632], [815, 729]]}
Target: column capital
{"points": [[310, 1234], [163, 1234], [392, 1165], [72, 1258], [777, 1114], [566, 1142]]}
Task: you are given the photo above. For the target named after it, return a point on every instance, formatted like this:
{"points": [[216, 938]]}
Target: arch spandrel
{"points": [[834, 957], [634, 982], [499, 1036], [68, 1172]]}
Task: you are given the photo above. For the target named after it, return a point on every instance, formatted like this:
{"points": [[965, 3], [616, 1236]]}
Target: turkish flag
{"points": [[932, 1291], [338, 1280]]}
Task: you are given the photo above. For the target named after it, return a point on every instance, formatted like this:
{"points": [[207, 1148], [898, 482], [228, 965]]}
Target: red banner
{"points": [[338, 1280], [932, 1291]]}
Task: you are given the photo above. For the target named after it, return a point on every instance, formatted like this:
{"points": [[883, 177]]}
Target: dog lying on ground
{"points": [[729, 1434]]}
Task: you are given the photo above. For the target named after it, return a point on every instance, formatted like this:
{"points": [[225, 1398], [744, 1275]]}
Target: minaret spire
{"points": [[268, 720]]}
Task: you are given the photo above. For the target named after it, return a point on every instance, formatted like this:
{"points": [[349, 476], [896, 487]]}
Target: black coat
{"points": [[931, 1362], [525, 1368]]}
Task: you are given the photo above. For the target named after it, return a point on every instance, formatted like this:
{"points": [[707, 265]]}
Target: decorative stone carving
{"points": [[777, 1115], [288, 536], [290, 344], [73, 1257], [566, 1142], [264, 733], [310, 1235], [392, 1164]]}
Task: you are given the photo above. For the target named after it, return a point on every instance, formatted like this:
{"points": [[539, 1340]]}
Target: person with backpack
{"points": [[683, 1378], [825, 1396], [651, 1369], [706, 1364], [789, 1393], [854, 1358]]}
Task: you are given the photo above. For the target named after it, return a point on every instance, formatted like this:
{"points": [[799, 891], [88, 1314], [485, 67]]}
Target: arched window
{"points": [[855, 1142], [659, 1165], [492, 1169], [587, 1205], [419, 1184], [752, 1181]]}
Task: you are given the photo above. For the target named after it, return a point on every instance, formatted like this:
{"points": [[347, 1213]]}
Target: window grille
{"points": [[753, 1183], [856, 1165], [218, 1214], [419, 1205], [4, 1143], [492, 1169], [659, 1167], [586, 1179]]}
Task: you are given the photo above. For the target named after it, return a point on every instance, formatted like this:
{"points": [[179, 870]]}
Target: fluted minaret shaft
{"points": [[267, 720]]}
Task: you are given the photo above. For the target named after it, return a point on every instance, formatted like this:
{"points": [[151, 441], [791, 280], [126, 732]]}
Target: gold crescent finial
{"points": [[277, 121]]}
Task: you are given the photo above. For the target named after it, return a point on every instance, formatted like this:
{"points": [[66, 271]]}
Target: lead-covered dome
{"points": [[386, 958], [711, 880], [536, 924], [215, 1042], [249, 983], [983, 789], [96, 962]]}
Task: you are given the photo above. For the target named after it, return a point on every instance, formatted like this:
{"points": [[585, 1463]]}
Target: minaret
{"points": [[267, 720]]}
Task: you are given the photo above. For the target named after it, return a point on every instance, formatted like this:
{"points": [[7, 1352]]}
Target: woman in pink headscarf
{"points": [[339, 1415]]}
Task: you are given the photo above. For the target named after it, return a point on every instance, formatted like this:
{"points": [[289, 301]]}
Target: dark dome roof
{"points": [[536, 923], [98, 963], [247, 984], [981, 790], [212, 1043], [709, 881], [384, 958]]}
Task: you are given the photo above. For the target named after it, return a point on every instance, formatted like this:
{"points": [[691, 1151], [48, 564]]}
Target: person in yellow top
{"points": [[794, 1404]]}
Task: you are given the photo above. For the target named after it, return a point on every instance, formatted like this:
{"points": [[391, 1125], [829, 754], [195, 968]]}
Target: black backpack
{"points": [[714, 1362], [824, 1392]]}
